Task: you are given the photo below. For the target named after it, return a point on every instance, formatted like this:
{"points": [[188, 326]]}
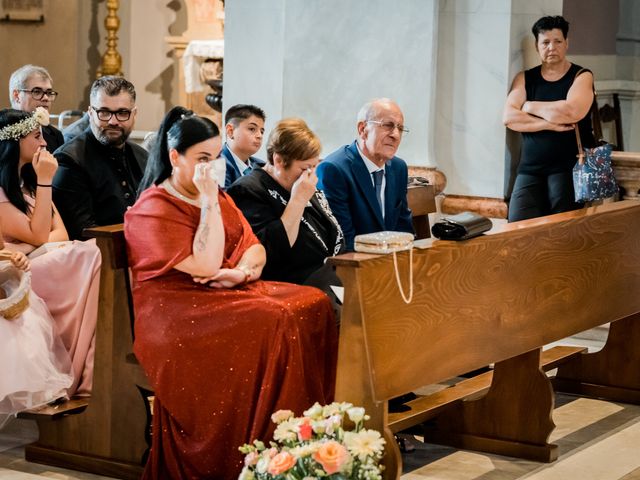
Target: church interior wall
{"points": [[52, 44], [480, 49], [322, 62], [448, 64], [149, 63]]}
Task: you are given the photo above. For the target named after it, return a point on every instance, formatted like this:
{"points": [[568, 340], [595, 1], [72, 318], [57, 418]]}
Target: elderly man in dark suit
{"points": [[365, 183]]}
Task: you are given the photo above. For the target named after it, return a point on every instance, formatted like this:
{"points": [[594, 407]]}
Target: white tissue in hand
{"points": [[219, 170]]}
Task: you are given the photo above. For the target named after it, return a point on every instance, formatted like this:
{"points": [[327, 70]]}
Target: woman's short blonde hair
{"points": [[293, 140]]}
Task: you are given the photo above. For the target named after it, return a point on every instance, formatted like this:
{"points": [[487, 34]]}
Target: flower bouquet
{"points": [[317, 445]]}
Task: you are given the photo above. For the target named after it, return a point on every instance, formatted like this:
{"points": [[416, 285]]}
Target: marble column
{"points": [[449, 64], [481, 47], [321, 60]]}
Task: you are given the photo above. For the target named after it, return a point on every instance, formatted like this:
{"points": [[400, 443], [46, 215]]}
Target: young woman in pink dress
{"points": [[66, 275], [222, 349], [36, 367]]}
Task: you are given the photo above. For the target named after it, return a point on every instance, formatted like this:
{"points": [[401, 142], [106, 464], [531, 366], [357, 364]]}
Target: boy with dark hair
{"points": [[244, 128]]}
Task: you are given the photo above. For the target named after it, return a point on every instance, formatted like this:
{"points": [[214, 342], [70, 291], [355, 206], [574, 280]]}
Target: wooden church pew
{"points": [[108, 433], [494, 299]]}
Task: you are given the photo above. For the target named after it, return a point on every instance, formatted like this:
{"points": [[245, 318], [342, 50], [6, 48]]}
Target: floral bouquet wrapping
{"points": [[317, 445]]}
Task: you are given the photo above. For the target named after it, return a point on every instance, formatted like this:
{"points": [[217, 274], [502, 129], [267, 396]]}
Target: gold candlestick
{"points": [[111, 60]]}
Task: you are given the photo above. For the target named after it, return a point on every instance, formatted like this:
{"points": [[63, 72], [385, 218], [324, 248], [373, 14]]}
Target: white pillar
{"points": [[323, 59]]}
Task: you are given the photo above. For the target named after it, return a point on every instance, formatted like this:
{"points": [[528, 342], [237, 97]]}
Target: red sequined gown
{"points": [[221, 361]]}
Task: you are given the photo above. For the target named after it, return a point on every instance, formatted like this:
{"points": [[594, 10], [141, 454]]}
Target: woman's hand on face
{"points": [[45, 166], [305, 186], [225, 278], [204, 178]]}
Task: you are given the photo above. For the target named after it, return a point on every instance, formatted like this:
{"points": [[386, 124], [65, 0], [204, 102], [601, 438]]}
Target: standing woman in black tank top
{"points": [[544, 103]]}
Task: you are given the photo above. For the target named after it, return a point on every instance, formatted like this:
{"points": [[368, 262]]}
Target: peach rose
{"points": [[332, 456], [280, 463]]}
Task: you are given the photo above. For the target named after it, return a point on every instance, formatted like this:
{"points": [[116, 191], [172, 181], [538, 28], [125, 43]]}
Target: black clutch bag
{"points": [[462, 226]]}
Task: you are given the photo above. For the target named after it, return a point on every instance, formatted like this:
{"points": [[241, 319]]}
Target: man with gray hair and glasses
{"points": [[365, 183], [99, 170], [30, 87]]}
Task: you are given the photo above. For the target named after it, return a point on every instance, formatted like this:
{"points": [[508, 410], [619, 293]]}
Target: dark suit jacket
{"points": [[349, 189], [53, 137], [232, 172], [94, 183]]}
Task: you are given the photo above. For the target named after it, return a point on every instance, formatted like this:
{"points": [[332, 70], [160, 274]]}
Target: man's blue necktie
{"points": [[378, 175], [246, 171]]}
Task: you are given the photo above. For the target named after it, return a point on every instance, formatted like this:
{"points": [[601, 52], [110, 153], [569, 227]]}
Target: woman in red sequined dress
{"points": [[222, 349]]}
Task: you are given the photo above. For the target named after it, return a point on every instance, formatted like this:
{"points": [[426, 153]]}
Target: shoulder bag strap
{"points": [[575, 125]]}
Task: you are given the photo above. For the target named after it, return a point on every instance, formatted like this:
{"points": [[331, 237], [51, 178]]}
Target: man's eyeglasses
{"points": [[390, 126], [37, 93], [105, 115]]}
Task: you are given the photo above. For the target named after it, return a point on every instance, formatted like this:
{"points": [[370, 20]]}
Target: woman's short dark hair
{"points": [[292, 139], [179, 130], [549, 23], [10, 177]]}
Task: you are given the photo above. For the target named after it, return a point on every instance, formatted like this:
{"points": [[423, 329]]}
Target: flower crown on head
{"points": [[24, 127]]}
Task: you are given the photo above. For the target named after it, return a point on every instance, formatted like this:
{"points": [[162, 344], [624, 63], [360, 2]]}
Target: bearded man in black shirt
{"points": [[99, 170]]}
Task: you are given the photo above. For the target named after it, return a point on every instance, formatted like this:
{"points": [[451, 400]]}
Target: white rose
{"points": [[355, 414], [281, 415], [246, 474], [331, 409], [262, 465], [332, 423], [287, 431], [41, 116], [314, 412]]}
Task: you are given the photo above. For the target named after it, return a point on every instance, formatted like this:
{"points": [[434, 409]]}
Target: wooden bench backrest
{"points": [[108, 437], [421, 201], [490, 298], [111, 241]]}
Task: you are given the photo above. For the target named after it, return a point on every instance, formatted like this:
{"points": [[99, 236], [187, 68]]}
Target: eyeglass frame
{"points": [[390, 126], [51, 93], [111, 113]]}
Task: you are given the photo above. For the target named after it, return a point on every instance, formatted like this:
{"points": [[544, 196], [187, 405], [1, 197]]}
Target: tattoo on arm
{"points": [[202, 234]]}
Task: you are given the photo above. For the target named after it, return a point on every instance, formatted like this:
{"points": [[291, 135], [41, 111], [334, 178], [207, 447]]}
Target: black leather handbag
{"points": [[462, 226]]}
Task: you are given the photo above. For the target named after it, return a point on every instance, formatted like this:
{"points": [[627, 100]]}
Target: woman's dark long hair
{"points": [[180, 129], [10, 177]]}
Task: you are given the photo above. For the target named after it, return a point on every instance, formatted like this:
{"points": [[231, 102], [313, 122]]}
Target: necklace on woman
{"points": [[168, 186]]}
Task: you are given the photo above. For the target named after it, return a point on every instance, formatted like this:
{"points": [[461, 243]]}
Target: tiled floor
{"points": [[598, 440]]}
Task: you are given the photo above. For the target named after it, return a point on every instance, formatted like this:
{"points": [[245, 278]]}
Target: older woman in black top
{"points": [[288, 214]]}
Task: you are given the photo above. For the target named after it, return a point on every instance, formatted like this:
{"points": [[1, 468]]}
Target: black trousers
{"points": [[539, 195]]}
